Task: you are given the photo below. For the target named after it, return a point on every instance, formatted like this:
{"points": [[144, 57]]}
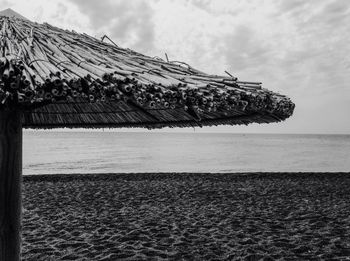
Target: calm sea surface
{"points": [[113, 152]]}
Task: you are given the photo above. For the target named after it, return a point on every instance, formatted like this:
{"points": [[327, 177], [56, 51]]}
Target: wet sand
{"points": [[257, 216]]}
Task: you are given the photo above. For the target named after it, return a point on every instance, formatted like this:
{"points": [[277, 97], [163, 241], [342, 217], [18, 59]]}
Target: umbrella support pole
{"points": [[10, 185]]}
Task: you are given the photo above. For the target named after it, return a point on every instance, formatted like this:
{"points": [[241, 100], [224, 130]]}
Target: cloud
{"points": [[38, 13], [60, 13], [139, 28], [337, 7], [243, 49], [292, 5], [6, 4], [128, 23], [201, 4]]}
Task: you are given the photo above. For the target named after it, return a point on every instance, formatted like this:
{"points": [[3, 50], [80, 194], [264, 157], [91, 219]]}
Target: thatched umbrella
{"points": [[54, 78]]}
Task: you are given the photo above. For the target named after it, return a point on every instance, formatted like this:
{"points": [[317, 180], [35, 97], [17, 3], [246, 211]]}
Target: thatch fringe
{"points": [[41, 65], [122, 114], [109, 121]]}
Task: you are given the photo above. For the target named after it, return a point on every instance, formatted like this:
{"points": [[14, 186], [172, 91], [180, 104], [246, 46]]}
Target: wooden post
{"points": [[10, 184]]}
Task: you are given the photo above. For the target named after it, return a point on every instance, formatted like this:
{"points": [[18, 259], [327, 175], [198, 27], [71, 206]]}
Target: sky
{"points": [[299, 48]]}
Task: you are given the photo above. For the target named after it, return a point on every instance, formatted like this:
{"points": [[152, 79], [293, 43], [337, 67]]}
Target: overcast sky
{"points": [[299, 48]]}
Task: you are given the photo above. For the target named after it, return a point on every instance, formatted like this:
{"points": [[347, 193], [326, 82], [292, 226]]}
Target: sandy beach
{"points": [[257, 216]]}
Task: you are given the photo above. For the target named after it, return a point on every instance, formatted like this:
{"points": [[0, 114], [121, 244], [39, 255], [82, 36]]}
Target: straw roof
{"points": [[10, 13], [61, 78]]}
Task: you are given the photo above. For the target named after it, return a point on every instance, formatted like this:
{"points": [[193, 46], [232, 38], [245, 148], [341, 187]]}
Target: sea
{"points": [[56, 152]]}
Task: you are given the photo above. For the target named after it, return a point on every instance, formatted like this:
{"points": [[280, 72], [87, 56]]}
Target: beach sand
{"points": [[257, 216]]}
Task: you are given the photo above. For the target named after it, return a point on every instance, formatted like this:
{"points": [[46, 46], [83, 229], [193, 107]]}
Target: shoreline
{"points": [[188, 216], [103, 176]]}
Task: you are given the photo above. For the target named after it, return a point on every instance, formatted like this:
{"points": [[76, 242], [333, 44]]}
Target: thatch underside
{"points": [[65, 79], [124, 114]]}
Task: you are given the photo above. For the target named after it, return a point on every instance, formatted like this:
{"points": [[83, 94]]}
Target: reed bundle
{"points": [[41, 64]]}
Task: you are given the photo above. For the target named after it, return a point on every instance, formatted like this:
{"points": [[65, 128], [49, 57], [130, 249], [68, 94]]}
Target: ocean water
{"points": [[125, 152]]}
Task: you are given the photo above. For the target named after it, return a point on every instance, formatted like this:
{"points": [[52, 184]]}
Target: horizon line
{"points": [[121, 130]]}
